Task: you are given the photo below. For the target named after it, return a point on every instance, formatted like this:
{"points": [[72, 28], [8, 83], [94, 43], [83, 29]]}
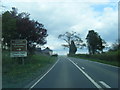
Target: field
{"points": [[16, 75], [111, 58]]}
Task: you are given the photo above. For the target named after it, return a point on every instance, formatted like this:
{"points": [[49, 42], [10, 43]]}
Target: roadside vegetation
{"points": [[95, 45], [111, 57], [20, 26], [18, 75]]}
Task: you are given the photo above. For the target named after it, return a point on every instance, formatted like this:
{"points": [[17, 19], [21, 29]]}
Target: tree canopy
{"points": [[69, 37], [19, 26], [94, 42]]}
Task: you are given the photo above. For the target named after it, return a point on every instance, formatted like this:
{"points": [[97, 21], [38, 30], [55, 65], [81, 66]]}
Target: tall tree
{"points": [[19, 26], [8, 27], [95, 42], [69, 37]]}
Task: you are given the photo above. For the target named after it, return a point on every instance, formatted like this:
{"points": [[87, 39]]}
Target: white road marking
{"points": [[97, 85], [104, 84], [43, 76], [82, 67]]}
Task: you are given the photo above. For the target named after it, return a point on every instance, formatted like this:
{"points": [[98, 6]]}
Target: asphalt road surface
{"points": [[70, 72]]}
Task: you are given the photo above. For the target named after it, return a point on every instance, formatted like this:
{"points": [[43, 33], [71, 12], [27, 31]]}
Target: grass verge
{"points": [[15, 75], [114, 63], [111, 58]]}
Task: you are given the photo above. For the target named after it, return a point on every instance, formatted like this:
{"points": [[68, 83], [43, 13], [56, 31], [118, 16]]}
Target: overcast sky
{"points": [[59, 16]]}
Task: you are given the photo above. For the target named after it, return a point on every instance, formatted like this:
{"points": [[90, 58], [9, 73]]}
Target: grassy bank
{"points": [[111, 58], [17, 75]]}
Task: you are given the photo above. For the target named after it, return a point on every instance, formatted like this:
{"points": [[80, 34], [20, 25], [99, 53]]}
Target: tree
{"points": [[115, 46], [8, 27], [71, 37], [94, 42], [33, 31], [73, 48], [19, 26]]}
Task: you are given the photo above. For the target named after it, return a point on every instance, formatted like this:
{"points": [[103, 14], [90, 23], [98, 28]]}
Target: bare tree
{"points": [[71, 36]]}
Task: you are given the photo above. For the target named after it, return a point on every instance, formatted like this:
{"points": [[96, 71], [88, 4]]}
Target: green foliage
{"points": [[111, 57], [8, 27], [19, 26], [17, 75], [95, 43]]}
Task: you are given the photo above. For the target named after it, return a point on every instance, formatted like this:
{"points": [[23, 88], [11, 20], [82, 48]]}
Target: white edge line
{"points": [[103, 83], [43, 75], [98, 86]]}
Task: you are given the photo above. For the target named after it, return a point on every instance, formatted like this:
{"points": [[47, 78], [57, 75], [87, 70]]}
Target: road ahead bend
{"points": [[78, 73]]}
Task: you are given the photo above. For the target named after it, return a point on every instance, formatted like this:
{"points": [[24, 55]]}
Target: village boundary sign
{"points": [[18, 48]]}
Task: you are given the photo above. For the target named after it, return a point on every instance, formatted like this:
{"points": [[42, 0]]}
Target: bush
{"points": [[108, 56], [111, 57], [18, 75], [54, 55]]}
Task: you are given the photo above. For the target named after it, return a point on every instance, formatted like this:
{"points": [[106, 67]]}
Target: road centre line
{"points": [[104, 84], [43, 75], [97, 85]]}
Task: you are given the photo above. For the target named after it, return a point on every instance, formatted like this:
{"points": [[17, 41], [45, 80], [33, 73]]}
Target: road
{"points": [[70, 72]]}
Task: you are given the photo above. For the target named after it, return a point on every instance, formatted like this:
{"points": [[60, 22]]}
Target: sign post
{"points": [[19, 48]]}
